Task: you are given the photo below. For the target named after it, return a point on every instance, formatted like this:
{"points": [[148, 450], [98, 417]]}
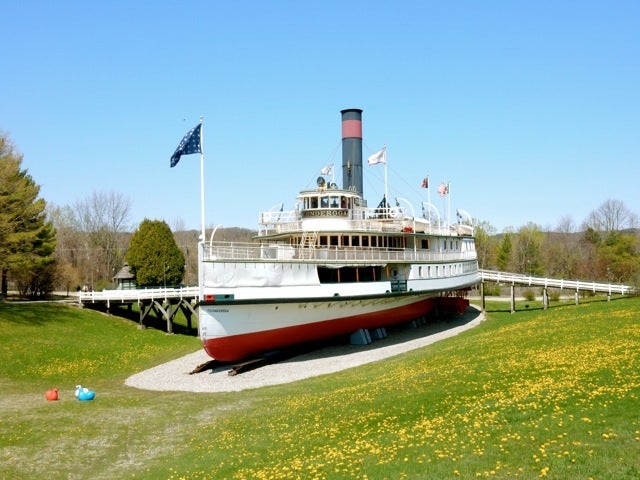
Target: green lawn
{"points": [[540, 393]]}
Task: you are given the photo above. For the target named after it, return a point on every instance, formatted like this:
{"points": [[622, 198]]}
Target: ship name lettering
{"points": [[326, 213]]}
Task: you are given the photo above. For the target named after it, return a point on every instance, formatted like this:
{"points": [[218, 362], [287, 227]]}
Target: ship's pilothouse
{"points": [[328, 201]]}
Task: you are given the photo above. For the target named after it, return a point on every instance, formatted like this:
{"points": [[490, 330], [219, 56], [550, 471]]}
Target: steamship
{"points": [[331, 267]]}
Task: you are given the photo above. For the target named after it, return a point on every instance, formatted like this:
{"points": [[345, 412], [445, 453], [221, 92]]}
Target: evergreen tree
{"points": [[618, 258], [27, 239], [154, 257], [503, 256]]}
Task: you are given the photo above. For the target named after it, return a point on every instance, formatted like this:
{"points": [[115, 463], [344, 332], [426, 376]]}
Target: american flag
{"points": [[189, 144]]}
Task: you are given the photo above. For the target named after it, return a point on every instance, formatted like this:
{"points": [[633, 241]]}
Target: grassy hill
{"points": [[535, 394]]}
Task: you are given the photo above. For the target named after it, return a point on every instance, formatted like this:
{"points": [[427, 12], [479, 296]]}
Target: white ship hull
{"points": [[241, 322]]}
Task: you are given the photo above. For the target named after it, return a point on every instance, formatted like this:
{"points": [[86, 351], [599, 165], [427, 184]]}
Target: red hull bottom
{"points": [[238, 347]]}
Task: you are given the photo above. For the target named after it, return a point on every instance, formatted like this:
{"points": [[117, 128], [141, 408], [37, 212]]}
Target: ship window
{"points": [[355, 241], [314, 202], [374, 241], [334, 240], [334, 202], [425, 244], [324, 202], [420, 272], [365, 240], [323, 240]]}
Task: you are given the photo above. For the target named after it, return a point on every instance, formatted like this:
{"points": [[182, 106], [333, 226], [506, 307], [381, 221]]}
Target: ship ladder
{"points": [[308, 244]]}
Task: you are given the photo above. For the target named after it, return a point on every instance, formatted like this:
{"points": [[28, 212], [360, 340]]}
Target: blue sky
{"points": [[530, 109]]}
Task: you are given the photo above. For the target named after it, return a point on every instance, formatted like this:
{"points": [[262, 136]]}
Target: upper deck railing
{"points": [[234, 252], [361, 219]]}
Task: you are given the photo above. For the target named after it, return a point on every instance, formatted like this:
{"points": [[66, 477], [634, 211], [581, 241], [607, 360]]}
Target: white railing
{"points": [[139, 294], [232, 252], [577, 285], [364, 219]]}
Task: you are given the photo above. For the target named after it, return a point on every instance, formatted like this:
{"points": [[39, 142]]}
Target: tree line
{"points": [[606, 247], [45, 247]]}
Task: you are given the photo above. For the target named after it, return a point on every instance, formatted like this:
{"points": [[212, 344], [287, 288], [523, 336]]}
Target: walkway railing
{"points": [[141, 294], [576, 285]]}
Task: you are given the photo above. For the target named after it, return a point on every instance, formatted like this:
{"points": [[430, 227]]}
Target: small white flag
{"points": [[378, 157], [328, 170]]}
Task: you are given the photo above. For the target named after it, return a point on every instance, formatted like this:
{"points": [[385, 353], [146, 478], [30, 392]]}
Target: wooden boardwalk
{"points": [[165, 302]]}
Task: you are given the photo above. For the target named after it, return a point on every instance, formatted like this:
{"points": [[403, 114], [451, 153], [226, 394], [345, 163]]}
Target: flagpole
{"points": [[443, 194], [202, 182], [429, 199], [386, 194], [449, 203]]}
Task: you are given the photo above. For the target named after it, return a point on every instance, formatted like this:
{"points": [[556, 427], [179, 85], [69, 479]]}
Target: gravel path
{"points": [[174, 375]]}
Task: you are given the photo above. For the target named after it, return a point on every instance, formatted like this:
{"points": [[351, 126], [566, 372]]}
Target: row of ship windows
{"points": [[382, 242], [434, 271]]}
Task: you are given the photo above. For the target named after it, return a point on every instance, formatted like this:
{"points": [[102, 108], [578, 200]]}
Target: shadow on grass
{"points": [[151, 320], [38, 313]]}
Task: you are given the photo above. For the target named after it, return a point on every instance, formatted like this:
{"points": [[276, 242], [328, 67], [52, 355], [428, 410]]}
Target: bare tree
{"points": [[561, 252], [69, 249], [611, 216], [527, 251], [103, 222], [486, 244]]}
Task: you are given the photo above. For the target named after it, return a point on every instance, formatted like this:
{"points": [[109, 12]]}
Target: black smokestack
{"points": [[352, 149]]}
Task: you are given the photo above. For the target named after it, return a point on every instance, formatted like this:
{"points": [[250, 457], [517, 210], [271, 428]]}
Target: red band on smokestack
{"points": [[352, 129]]}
